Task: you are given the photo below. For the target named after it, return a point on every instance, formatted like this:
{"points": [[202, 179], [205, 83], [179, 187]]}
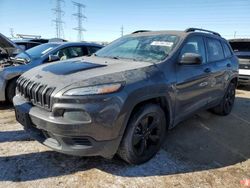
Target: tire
{"points": [[144, 134], [11, 90], [226, 105]]}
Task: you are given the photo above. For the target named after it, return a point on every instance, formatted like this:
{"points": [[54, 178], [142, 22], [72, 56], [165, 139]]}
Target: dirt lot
{"points": [[204, 151]]}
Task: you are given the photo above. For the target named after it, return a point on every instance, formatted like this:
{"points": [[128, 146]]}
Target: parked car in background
{"points": [[11, 68], [241, 48], [26, 44], [123, 98]]}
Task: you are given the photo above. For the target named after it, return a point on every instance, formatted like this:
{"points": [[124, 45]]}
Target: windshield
{"points": [[153, 48], [240, 46], [38, 51]]}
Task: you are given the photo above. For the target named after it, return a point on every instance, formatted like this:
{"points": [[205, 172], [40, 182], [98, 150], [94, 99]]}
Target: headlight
{"points": [[94, 90]]}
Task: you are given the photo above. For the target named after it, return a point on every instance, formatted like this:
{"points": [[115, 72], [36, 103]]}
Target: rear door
{"points": [[220, 65], [192, 80]]}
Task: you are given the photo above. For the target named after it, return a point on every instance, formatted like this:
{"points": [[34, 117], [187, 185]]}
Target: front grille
{"points": [[37, 93], [244, 66]]}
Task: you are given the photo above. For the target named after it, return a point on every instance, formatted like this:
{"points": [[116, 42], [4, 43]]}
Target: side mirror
{"points": [[191, 59], [53, 58]]}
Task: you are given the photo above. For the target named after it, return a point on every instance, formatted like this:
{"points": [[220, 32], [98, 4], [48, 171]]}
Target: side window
{"points": [[85, 51], [93, 49], [227, 50], [215, 51], [195, 45], [70, 52]]}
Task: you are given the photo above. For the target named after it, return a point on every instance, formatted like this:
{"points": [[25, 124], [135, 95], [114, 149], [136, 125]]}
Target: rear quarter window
{"points": [[215, 50], [227, 50]]}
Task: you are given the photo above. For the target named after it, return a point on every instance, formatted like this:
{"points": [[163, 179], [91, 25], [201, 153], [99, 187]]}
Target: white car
{"points": [[241, 48]]}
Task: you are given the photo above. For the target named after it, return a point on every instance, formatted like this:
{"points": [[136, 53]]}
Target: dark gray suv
{"points": [[124, 98]]}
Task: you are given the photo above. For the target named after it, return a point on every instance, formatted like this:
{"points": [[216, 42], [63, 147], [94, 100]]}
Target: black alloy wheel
{"points": [[226, 105], [144, 135], [147, 134]]}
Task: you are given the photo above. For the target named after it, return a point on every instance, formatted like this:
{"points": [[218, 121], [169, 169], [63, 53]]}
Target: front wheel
{"points": [[144, 135], [226, 105]]}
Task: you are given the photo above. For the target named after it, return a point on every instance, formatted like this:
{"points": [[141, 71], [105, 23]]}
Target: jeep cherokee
{"points": [[123, 98]]}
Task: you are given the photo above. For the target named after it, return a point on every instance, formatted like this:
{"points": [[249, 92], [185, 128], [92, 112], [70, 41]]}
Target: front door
{"points": [[192, 85]]}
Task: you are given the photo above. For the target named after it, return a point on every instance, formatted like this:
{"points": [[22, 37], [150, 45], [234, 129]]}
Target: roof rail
{"points": [[141, 31], [204, 30]]}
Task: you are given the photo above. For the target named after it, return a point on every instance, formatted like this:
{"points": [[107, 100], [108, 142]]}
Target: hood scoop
{"points": [[70, 67]]}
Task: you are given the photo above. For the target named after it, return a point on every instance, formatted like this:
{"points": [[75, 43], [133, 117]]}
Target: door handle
{"points": [[229, 65], [207, 70]]}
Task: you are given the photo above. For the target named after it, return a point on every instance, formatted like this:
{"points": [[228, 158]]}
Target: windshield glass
{"points": [[240, 46], [38, 51], [152, 48]]}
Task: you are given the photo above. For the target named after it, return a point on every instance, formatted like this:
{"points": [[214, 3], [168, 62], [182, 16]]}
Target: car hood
{"points": [[8, 47], [243, 54], [86, 71]]}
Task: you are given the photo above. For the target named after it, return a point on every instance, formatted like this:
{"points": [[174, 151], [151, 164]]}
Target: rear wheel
{"points": [[144, 135], [226, 105], [11, 90]]}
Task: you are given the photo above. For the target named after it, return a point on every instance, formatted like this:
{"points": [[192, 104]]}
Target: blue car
{"points": [[12, 67]]}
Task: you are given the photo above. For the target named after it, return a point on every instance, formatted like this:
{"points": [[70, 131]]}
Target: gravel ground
{"points": [[204, 151]]}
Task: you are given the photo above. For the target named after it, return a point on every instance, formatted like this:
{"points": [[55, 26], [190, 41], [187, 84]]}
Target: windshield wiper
{"points": [[115, 57], [110, 57]]}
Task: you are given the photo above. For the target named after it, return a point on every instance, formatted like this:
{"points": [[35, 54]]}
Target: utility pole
{"points": [[122, 31], [80, 17], [12, 33], [58, 20], [235, 34]]}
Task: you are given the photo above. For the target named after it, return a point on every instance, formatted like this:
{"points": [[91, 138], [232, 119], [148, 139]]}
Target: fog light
{"points": [[75, 115]]}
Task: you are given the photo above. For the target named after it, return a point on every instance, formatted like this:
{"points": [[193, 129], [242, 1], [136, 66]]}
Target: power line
{"points": [[80, 17], [58, 21]]}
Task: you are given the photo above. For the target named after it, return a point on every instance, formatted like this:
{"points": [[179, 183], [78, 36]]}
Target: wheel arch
{"points": [[8, 84], [161, 100], [234, 80]]}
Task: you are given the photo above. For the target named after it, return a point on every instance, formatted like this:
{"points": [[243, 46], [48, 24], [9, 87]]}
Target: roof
{"points": [[240, 40], [25, 41], [77, 43], [149, 33], [182, 34]]}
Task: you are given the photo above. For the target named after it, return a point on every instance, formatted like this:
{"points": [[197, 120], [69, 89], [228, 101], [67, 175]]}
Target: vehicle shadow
{"points": [[203, 142], [14, 136], [243, 87], [6, 106]]}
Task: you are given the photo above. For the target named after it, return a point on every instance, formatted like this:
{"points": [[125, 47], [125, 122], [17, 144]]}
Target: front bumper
{"points": [[244, 75], [100, 136], [244, 79]]}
